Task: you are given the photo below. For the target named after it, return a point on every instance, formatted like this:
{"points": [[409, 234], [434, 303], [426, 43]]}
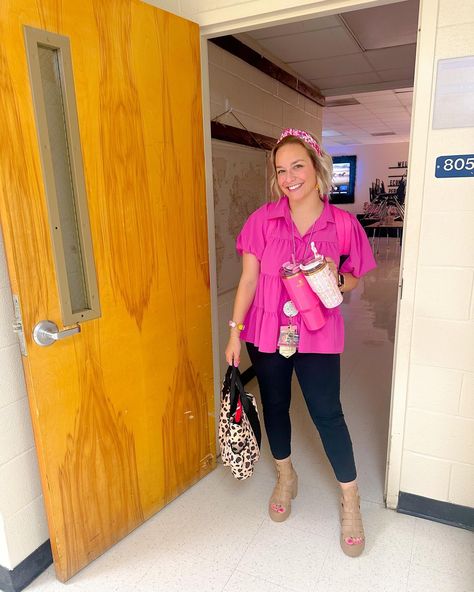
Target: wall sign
{"points": [[454, 93], [455, 165]]}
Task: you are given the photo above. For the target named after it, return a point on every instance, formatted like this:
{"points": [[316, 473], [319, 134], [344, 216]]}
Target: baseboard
{"points": [[30, 568], [444, 512]]}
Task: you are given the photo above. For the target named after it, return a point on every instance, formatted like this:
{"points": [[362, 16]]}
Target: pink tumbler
{"points": [[306, 301]]}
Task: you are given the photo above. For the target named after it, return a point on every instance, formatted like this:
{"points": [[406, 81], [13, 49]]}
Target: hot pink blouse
{"points": [[267, 234]]}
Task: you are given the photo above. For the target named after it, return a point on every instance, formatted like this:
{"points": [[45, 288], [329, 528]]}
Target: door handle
{"points": [[47, 332]]}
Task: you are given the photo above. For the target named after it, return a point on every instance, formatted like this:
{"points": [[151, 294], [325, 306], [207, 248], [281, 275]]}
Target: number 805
{"points": [[458, 164]]}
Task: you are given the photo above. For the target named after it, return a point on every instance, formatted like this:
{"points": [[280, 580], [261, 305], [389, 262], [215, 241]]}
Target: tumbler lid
{"points": [[289, 268]]}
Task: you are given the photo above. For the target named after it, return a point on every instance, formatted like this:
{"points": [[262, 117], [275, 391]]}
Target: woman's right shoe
{"points": [[285, 490], [352, 530]]}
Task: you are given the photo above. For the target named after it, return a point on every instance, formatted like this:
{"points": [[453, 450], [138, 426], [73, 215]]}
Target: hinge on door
{"points": [[18, 325], [401, 288]]}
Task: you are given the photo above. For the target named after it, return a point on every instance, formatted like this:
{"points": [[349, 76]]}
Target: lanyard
{"points": [[294, 244]]}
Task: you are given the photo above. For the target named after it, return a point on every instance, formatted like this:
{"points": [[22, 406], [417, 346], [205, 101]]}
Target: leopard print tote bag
{"points": [[239, 426]]}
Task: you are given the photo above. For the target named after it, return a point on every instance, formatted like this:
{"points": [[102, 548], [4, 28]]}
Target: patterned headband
{"points": [[302, 135]]}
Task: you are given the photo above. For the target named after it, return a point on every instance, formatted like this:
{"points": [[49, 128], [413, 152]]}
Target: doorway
{"points": [[398, 160]]}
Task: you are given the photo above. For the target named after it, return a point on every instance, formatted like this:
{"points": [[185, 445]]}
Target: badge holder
{"points": [[289, 338]]}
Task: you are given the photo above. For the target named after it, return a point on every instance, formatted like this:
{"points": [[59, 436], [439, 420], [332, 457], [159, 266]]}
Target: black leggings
{"points": [[319, 378]]}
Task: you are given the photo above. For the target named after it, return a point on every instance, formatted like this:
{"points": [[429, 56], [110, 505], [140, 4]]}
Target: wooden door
{"points": [[122, 411]]}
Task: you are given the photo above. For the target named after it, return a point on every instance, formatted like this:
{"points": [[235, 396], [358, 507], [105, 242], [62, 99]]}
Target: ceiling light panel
{"points": [[329, 133], [341, 102]]}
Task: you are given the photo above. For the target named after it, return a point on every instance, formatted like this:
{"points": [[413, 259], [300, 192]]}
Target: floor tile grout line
{"points": [[244, 551], [322, 568], [410, 562]]}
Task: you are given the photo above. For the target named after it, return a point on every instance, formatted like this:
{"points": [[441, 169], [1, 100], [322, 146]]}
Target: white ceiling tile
{"points": [[356, 109], [378, 98], [345, 80], [392, 57], [405, 100], [322, 51], [399, 119], [296, 28], [401, 127], [320, 44], [340, 65], [377, 109], [370, 95], [397, 74], [359, 131], [366, 121], [383, 26]]}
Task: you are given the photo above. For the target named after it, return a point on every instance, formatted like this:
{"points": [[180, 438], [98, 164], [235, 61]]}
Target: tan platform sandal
{"points": [[286, 488], [351, 523]]}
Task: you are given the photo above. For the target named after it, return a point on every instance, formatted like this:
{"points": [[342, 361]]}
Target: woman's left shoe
{"points": [[351, 523]]}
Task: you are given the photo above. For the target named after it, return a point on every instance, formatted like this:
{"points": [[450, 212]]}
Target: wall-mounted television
{"points": [[343, 179]]}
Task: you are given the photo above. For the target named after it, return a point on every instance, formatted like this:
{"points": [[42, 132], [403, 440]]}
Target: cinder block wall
{"points": [[22, 516], [438, 448], [263, 104]]}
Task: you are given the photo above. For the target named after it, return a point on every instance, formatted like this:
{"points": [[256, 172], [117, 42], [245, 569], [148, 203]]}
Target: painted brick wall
{"points": [[438, 457], [263, 104]]}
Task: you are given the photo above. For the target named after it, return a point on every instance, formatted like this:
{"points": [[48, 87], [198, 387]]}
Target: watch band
{"points": [[340, 280]]}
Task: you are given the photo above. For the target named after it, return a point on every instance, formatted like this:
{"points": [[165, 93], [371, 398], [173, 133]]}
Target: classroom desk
{"points": [[381, 225]]}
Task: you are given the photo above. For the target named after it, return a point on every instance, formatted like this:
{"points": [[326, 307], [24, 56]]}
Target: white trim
{"points": [[211, 232], [229, 20], [420, 128]]}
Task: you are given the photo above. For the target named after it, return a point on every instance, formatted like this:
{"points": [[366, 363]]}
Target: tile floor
{"points": [[218, 537]]}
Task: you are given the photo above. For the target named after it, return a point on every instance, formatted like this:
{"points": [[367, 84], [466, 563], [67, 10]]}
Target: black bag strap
{"points": [[237, 392]]}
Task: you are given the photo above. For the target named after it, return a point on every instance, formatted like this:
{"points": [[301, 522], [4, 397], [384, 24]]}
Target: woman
{"points": [[273, 234]]}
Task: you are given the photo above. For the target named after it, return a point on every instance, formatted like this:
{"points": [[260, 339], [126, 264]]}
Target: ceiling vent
{"points": [[341, 102], [384, 134], [347, 142]]}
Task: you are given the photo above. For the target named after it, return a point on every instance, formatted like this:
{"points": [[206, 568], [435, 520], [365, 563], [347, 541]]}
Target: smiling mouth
{"points": [[294, 187]]}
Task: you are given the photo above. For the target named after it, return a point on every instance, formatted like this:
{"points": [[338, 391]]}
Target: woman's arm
{"points": [[243, 300]]}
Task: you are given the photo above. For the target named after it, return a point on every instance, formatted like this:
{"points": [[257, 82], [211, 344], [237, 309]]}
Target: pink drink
{"points": [[306, 301]]}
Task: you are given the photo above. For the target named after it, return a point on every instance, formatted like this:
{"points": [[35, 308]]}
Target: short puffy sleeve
{"points": [[361, 259], [252, 236]]}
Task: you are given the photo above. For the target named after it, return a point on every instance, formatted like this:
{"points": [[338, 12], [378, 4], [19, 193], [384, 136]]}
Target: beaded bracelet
{"points": [[234, 325]]}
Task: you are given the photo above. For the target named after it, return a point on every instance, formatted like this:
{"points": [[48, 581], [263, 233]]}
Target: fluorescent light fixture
{"points": [[328, 133]]}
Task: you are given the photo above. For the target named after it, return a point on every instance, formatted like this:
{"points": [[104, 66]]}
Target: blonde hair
{"points": [[322, 164]]}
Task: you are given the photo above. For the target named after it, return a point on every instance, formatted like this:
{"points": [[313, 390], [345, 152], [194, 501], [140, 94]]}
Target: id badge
{"points": [[288, 340]]}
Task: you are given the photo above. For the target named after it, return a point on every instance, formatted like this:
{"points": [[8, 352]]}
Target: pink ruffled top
{"points": [[267, 234]]}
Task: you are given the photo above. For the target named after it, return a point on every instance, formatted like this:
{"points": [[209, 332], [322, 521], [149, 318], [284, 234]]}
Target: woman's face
{"points": [[295, 173]]}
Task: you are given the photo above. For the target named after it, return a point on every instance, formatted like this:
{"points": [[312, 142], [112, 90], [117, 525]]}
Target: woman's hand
{"points": [[232, 351], [333, 268]]}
